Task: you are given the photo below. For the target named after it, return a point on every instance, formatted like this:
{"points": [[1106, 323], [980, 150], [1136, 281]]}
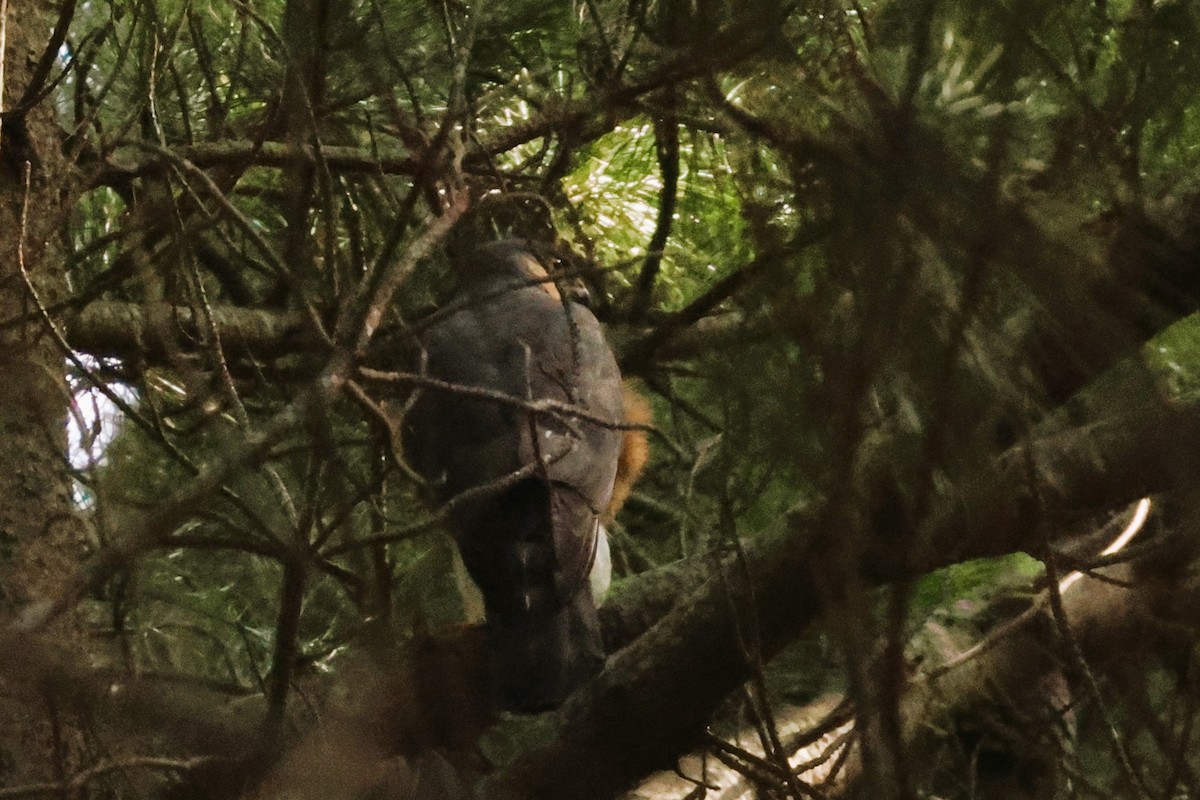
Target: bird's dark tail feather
{"points": [[540, 657]]}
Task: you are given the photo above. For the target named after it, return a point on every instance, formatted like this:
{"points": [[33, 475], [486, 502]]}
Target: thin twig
{"points": [[1079, 662], [395, 275], [547, 406]]}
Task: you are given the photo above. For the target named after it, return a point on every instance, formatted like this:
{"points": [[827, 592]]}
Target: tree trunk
{"points": [[39, 531]]}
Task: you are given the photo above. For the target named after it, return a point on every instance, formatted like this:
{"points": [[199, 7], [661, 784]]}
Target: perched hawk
{"points": [[527, 487]]}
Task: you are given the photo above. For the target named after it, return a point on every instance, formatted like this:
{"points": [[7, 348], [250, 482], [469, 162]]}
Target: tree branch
{"points": [[109, 328], [654, 699]]}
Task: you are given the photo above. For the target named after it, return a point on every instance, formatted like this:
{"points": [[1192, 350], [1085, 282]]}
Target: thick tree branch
{"points": [[654, 698], [1133, 608], [108, 328], [213, 722]]}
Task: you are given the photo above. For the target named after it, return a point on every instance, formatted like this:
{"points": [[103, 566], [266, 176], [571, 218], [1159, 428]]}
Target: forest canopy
{"points": [[909, 287]]}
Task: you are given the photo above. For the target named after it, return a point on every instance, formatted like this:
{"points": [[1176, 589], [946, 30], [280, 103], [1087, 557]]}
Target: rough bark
{"points": [[107, 328], [39, 533]]}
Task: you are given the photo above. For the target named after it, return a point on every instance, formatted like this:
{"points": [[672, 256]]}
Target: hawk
{"points": [[527, 481]]}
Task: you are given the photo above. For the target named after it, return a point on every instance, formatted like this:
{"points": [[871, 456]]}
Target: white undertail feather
{"points": [[600, 575]]}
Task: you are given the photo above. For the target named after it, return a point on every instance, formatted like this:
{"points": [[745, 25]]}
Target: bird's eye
{"points": [[577, 291]]}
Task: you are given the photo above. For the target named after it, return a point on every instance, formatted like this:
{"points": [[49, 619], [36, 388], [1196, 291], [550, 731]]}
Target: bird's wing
{"points": [[528, 543]]}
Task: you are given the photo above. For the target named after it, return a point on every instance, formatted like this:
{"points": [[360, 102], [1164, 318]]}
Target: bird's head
{"points": [[522, 261]]}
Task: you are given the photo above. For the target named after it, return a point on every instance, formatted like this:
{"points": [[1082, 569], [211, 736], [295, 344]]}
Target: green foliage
{"points": [[897, 220]]}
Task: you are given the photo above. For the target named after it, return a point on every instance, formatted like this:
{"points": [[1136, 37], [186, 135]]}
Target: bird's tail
{"points": [[540, 656]]}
